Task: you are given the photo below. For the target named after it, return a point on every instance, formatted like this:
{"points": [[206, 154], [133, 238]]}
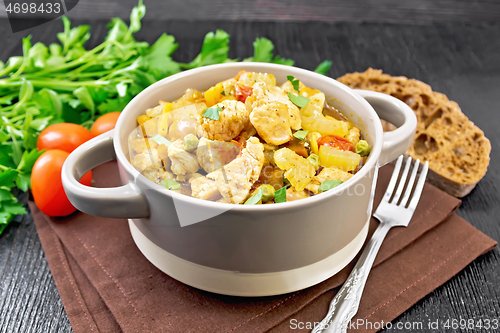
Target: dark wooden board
{"points": [[292, 10], [456, 58]]}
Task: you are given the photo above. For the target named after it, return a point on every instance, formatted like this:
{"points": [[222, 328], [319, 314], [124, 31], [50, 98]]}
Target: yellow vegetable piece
{"points": [[333, 157], [314, 120], [142, 119], [299, 171], [214, 94], [315, 136], [163, 124], [167, 107], [308, 92]]}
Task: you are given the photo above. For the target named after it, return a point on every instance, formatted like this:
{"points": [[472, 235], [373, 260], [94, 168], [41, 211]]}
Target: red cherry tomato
{"points": [[46, 184], [242, 92], [336, 142], [104, 123], [64, 136]]}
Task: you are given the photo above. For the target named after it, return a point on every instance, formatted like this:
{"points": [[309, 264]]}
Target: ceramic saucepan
{"points": [[241, 249]]}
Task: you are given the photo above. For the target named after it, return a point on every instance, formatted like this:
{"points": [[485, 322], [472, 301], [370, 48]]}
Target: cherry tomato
{"points": [[336, 142], [64, 136], [242, 92], [104, 123], [46, 183]]}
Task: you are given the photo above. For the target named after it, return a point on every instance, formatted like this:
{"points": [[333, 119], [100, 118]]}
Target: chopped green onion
{"points": [[314, 160], [223, 93], [298, 100], [301, 134], [280, 195], [286, 182], [329, 184], [161, 140], [212, 113], [171, 184], [267, 192], [295, 83], [254, 199]]}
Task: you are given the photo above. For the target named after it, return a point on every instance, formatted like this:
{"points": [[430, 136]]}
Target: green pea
{"points": [[190, 142], [267, 192], [362, 148]]}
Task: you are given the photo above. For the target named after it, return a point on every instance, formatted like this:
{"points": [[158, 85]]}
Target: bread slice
{"points": [[457, 150]]}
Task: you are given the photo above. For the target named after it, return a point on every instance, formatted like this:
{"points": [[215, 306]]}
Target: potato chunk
{"points": [[326, 174], [299, 171]]}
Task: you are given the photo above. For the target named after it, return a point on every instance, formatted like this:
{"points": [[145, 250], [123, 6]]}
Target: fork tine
{"points": [[402, 181], [394, 178], [419, 188], [411, 182]]}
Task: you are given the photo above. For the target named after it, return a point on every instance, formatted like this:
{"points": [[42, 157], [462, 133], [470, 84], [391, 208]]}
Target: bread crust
{"points": [[456, 149]]}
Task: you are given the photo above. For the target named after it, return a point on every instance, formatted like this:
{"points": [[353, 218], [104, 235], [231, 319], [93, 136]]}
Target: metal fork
{"points": [[390, 213]]}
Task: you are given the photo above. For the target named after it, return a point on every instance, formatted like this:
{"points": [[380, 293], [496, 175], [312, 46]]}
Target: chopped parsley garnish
{"points": [[298, 100], [323, 67], [280, 195], [301, 134], [254, 199], [161, 140], [223, 93], [212, 113], [295, 83], [329, 184], [170, 184]]}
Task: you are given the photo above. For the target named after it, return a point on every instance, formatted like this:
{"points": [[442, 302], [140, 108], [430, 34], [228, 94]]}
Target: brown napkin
{"points": [[106, 284]]}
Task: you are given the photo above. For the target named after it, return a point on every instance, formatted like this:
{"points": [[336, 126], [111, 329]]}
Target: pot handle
{"points": [[398, 113], [125, 201]]}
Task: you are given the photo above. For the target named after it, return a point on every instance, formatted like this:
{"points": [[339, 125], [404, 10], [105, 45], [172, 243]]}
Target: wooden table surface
{"points": [[458, 57]]}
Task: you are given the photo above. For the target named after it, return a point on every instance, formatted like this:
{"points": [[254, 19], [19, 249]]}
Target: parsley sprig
{"points": [[295, 82], [212, 113]]}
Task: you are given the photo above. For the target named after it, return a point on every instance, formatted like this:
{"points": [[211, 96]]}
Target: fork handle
{"points": [[346, 303]]}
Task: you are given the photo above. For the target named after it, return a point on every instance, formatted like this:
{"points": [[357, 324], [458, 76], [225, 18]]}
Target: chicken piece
{"points": [[212, 155], [325, 174], [292, 194], [263, 94], [141, 145], [156, 174], [249, 79], [203, 188], [313, 119], [235, 179], [272, 123], [182, 162], [353, 135], [148, 158], [233, 118]]}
